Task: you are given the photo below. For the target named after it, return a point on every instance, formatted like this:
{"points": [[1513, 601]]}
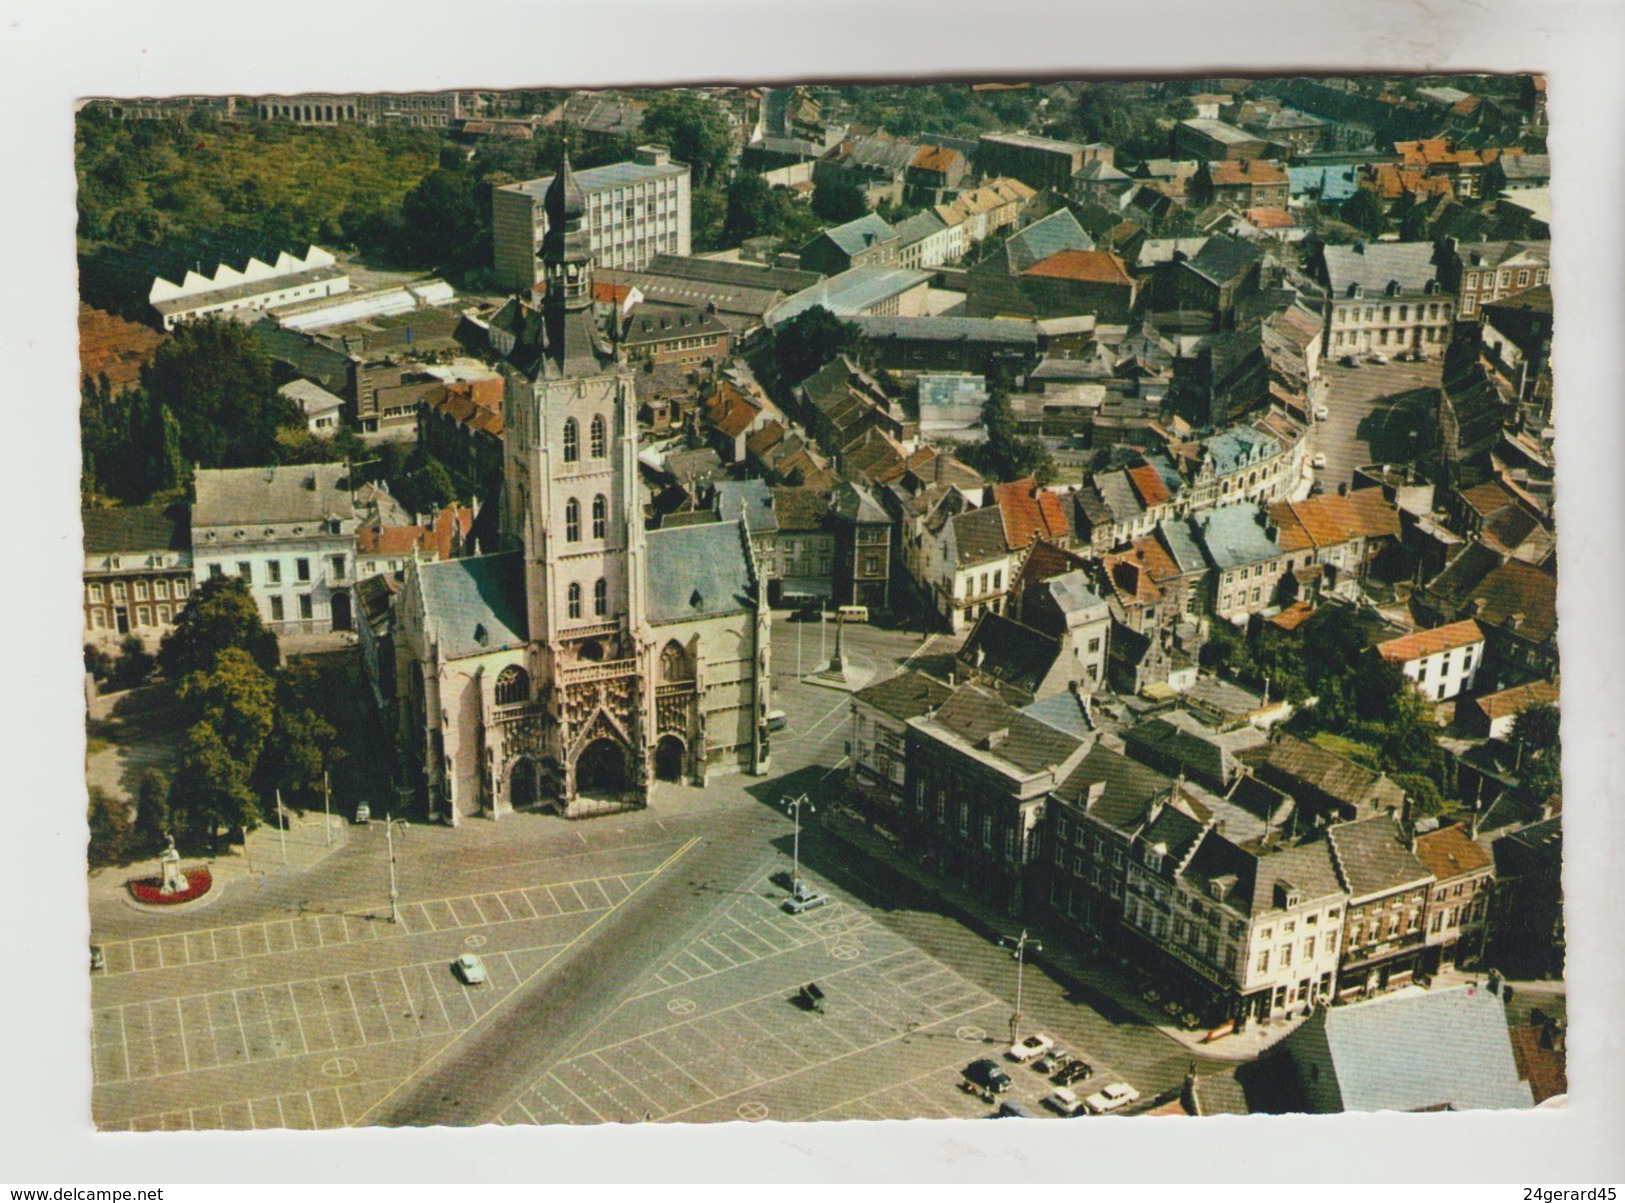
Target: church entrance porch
{"points": [[669, 753], [602, 769]]}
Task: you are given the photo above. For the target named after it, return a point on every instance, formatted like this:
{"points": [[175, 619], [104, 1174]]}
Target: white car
{"points": [[1378, 357], [471, 969], [1035, 1045], [1322, 413], [1319, 461], [1064, 1101], [1113, 1098]]}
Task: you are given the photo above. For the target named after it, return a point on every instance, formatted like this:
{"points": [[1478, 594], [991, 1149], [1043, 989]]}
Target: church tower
{"points": [[570, 496]]}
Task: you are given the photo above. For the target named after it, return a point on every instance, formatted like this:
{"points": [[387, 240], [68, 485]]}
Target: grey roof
{"points": [[979, 535], [600, 179], [752, 498], [1336, 776], [1064, 711], [311, 398], [1029, 746], [1223, 258], [1130, 787], [290, 493], [1099, 169], [475, 604], [854, 503], [1072, 593], [1222, 697], [1033, 142], [860, 234], [697, 572], [1220, 131], [922, 225], [1235, 535], [1179, 539], [851, 292], [1373, 856], [1196, 755], [1118, 492], [800, 509], [1239, 447], [1526, 167], [1010, 652], [1047, 236], [1420, 1050], [1015, 331], [1374, 265], [905, 695], [134, 528], [722, 271], [1162, 250], [882, 154]]}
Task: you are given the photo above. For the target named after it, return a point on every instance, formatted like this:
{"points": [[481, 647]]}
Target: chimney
{"points": [[1096, 791], [993, 739]]}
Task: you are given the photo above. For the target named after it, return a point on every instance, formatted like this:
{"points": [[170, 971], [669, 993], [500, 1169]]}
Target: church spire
{"points": [[566, 250]]}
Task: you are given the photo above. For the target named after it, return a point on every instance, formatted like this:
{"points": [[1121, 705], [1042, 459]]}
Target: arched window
{"points": [[600, 597], [574, 595], [572, 521], [600, 516], [572, 441], [600, 442], [513, 685], [674, 663]]}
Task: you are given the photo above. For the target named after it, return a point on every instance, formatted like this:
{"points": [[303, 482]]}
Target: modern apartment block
{"points": [[635, 211]]}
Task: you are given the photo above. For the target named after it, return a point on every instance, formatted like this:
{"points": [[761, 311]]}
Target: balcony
{"points": [[591, 630], [602, 670]]}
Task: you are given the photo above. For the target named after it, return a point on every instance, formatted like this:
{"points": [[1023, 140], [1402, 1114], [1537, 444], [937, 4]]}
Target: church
{"points": [[585, 657]]}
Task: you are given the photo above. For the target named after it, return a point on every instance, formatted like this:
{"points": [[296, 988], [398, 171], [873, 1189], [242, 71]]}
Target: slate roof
{"points": [[1064, 711], [854, 503], [921, 225], [1329, 183], [1334, 775], [1047, 236], [133, 528], [1198, 756], [972, 714], [697, 572], [1425, 643], [905, 695], [1010, 652], [1131, 787], [1072, 593], [289, 493], [1374, 858], [1450, 852], [1223, 258], [1372, 267], [722, 271], [979, 535], [1418, 1050], [1219, 131], [752, 498], [860, 234], [1017, 332], [1239, 447], [1234, 535], [1506, 589], [476, 604], [851, 292]]}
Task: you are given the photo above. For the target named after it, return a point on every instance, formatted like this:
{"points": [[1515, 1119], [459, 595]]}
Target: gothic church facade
{"points": [[587, 656]]}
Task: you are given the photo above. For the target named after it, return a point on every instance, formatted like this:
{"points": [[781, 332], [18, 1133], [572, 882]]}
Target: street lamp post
{"points": [[794, 805], [390, 823], [282, 827], [1021, 944], [327, 808]]}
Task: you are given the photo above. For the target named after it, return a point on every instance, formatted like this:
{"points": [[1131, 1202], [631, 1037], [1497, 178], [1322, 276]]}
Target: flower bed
{"points": [[150, 890]]}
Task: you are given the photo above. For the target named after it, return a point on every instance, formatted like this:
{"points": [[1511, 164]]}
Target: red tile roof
{"points": [[1425, 643], [935, 158], [1148, 483], [730, 411], [1394, 182], [1029, 512], [1271, 219], [1294, 616], [1545, 1069], [1328, 520], [1450, 852], [1093, 267], [1235, 173], [1517, 699]]}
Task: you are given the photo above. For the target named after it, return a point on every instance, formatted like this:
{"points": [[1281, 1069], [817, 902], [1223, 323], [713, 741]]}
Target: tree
{"points": [[694, 127], [134, 665], [754, 208], [1423, 795], [221, 615], [109, 820], [151, 808], [236, 697], [1539, 728], [213, 376], [1364, 213], [1199, 191], [839, 203], [442, 217], [297, 753], [212, 788], [809, 340]]}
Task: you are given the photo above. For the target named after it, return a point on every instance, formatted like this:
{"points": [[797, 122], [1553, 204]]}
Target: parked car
{"points": [[1322, 413], [1035, 1045], [1319, 461], [1052, 1061], [796, 905], [777, 720], [1011, 1109], [987, 1074], [1077, 1071], [363, 813], [1349, 361], [1063, 1101], [1378, 357], [470, 968], [1113, 1098]]}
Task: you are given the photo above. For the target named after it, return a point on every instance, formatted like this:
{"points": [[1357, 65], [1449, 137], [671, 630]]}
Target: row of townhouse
{"points": [[1246, 904]]}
